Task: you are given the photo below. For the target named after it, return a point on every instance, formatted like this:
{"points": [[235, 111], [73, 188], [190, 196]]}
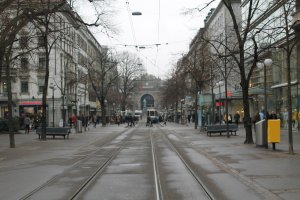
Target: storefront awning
{"points": [[31, 103], [283, 84]]}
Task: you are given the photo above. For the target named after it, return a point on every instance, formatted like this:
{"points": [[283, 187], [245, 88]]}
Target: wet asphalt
{"points": [[276, 174]]}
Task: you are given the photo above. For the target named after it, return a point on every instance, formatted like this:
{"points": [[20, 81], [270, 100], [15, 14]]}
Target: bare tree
{"points": [[175, 88], [290, 41], [16, 14], [130, 69], [196, 65], [103, 76]]}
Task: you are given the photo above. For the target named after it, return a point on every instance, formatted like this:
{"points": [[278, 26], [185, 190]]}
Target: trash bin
{"points": [[274, 131], [259, 133], [79, 126]]}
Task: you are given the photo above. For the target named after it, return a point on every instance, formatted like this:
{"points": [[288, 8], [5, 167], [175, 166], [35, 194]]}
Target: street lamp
{"points": [[136, 13], [264, 65], [53, 88], [219, 84]]}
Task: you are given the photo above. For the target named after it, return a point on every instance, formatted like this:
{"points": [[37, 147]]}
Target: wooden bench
{"points": [[221, 128], [54, 131]]}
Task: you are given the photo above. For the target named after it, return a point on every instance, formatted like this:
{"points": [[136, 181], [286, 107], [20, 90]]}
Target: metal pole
{"points": [[53, 105], [266, 108], [181, 111], [219, 103]]}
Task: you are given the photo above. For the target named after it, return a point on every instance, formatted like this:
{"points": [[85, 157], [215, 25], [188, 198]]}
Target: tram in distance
{"points": [[153, 114]]}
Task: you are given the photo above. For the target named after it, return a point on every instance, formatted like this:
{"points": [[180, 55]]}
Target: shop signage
{"points": [[31, 103]]}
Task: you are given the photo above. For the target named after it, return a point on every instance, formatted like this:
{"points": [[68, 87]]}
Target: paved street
{"points": [[160, 162]]}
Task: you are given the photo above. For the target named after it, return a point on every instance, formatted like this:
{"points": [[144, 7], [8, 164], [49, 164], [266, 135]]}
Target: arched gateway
{"points": [[146, 101]]}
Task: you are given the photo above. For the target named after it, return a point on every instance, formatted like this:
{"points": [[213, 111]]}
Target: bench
{"points": [[54, 131], [221, 128]]}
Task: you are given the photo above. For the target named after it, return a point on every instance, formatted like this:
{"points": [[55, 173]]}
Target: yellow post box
{"points": [[274, 131]]}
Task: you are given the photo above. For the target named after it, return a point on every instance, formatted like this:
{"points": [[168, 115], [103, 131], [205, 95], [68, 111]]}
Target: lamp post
{"points": [[53, 88], [264, 65], [219, 84]]}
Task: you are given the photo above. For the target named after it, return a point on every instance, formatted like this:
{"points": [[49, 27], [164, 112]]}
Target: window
{"points": [[41, 85], [24, 86], [23, 42], [4, 87], [42, 62], [24, 63], [41, 41]]}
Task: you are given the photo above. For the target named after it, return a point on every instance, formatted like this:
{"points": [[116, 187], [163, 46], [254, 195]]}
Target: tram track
{"points": [[230, 170], [158, 189], [96, 172], [189, 168]]}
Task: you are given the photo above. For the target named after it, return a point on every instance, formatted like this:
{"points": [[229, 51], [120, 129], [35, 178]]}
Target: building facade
{"points": [[71, 49], [274, 28], [218, 39]]}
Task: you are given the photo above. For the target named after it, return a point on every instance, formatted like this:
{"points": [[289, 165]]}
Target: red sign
{"points": [[29, 103], [229, 93], [219, 104]]}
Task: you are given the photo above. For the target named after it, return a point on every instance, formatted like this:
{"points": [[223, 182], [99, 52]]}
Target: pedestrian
{"points": [[131, 118], [255, 119], [273, 115], [74, 121], [189, 118], [261, 115], [118, 120], [149, 122], [237, 118], [94, 121], [27, 124], [165, 121]]}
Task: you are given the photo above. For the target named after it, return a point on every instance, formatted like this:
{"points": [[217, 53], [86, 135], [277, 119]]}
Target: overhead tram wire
{"points": [[158, 22], [158, 34], [131, 22]]}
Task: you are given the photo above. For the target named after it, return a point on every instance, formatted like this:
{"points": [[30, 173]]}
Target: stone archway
{"points": [[146, 101]]}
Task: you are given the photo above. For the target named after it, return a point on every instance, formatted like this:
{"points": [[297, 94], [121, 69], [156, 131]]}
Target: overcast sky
{"points": [[162, 22]]}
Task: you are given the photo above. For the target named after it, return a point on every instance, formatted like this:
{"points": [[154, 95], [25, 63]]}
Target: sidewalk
{"points": [[272, 171]]}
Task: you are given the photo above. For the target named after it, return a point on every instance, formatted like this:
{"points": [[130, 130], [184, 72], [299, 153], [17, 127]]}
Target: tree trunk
{"points": [[247, 118], [196, 109], [103, 111], [10, 104], [45, 88]]}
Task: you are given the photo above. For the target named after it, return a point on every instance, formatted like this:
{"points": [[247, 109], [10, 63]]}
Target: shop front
{"points": [[33, 109]]}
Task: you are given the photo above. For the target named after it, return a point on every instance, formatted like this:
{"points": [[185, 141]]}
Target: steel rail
{"points": [[158, 189], [189, 168], [78, 163]]}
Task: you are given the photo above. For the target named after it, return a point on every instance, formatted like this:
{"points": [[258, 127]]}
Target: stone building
{"points": [[72, 48]]}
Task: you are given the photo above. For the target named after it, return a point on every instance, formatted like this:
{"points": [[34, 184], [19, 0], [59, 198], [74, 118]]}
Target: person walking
{"points": [[94, 121], [118, 120], [237, 118], [27, 124], [273, 115], [74, 121], [256, 118]]}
